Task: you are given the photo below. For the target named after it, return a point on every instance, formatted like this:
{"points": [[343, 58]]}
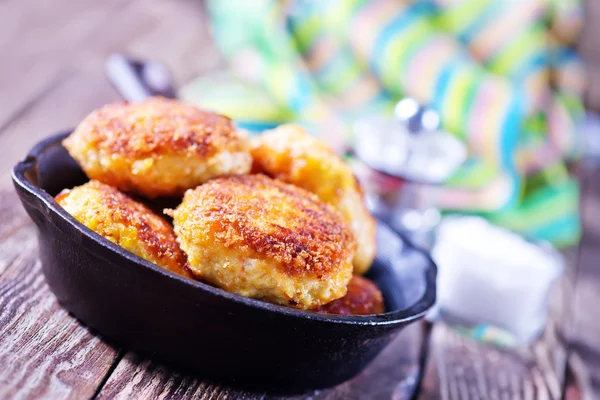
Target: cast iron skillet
{"points": [[218, 334]]}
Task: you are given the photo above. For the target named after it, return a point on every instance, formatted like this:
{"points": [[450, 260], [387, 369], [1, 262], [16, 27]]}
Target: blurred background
{"points": [[504, 78], [471, 123]]}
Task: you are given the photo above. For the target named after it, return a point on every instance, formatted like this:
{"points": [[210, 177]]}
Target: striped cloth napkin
{"points": [[499, 72]]}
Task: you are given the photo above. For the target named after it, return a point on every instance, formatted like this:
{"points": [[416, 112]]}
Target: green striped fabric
{"points": [[500, 73]]}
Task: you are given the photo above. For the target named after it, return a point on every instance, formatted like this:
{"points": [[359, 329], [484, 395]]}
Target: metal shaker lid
{"points": [[409, 144]]}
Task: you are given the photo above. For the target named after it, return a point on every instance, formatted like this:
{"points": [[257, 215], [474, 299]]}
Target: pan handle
{"points": [[137, 80]]}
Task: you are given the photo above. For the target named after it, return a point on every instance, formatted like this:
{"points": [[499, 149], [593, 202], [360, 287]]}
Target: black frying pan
{"points": [[218, 334]]}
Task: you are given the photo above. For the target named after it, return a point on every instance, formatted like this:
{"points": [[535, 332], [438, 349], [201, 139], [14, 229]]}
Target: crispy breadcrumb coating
{"points": [[292, 155], [126, 223], [265, 239], [158, 147]]}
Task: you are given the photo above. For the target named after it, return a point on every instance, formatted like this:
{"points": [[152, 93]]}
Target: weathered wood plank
{"points": [[393, 374], [44, 352], [588, 47], [180, 38], [460, 368], [584, 334], [578, 385], [41, 43], [138, 376], [60, 109]]}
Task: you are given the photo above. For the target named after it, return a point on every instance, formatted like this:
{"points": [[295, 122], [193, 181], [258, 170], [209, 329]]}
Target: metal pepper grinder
{"points": [[399, 157]]}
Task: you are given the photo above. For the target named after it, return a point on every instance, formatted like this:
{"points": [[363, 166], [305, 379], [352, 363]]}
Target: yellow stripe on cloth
{"points": [[485, 120], [458, 15], [456, 103], [367, 25], [493, 35], [528, 41], [425, 66], [392, 64]]}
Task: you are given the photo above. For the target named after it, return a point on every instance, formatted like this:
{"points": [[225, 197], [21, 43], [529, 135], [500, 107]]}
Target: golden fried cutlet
{"points": [[292, 155], [158, 147], [363, 298], [265, 239], [126, 223]]}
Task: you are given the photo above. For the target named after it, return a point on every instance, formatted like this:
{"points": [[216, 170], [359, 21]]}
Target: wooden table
{"points": [[53, 53]]}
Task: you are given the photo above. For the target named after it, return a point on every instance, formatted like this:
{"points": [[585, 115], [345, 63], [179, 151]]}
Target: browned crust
{"points": [[318, 163], [292, 155], [156, 126], [276, 220], [363, 298], [154, 233]]}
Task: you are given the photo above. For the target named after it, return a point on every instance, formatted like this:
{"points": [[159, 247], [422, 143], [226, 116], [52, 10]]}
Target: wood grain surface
{"points": [[44, 352], [54, 77], [460, 368], [590, 50], [584, 335]]}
